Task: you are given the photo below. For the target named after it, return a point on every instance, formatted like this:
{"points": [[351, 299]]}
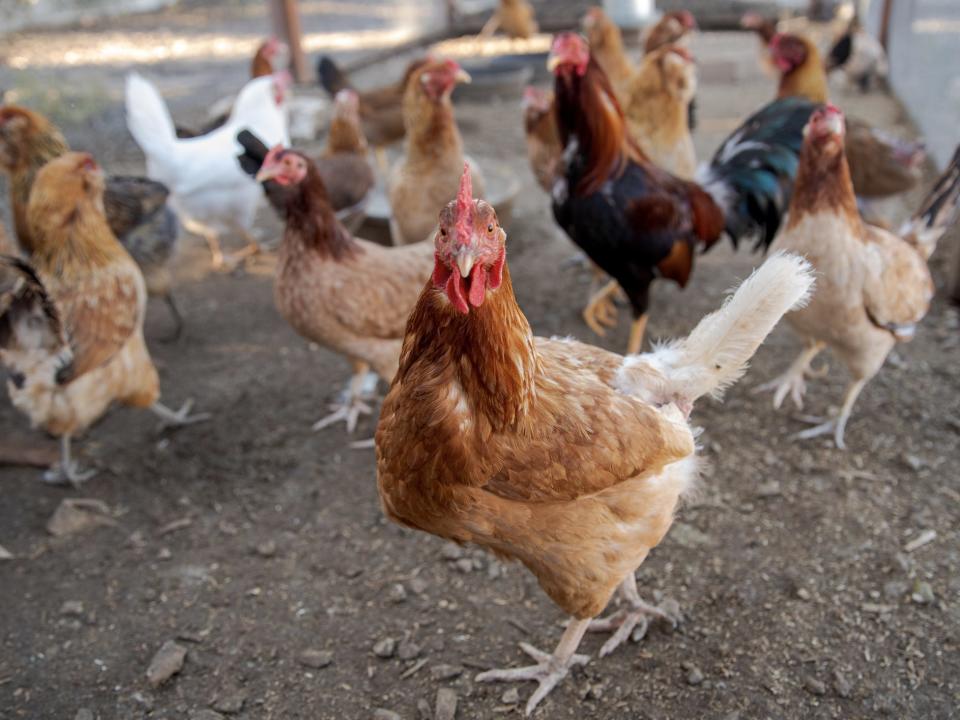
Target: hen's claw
{"points": [[178, 418], [835, 425], [624, 624], [349, 411], [548, 672], [67, 474]]}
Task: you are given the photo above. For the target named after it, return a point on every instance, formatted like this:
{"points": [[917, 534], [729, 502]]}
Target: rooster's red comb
{"points": [[465, 207]]}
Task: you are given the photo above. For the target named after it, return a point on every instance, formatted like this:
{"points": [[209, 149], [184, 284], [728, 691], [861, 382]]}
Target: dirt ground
{"points": [[252, 540]]}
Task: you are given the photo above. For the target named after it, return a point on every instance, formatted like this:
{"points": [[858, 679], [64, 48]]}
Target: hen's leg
{"points": [[792, 381], [637, 330], [380, 154], [177, 418], [67, 472], [550, 669], [594, 314], [352, 405], [177, 318], [211, 236], [838, 424], [623, 622]]}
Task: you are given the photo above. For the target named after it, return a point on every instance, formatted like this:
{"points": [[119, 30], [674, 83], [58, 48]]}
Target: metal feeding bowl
{"points": [[502, 185]]}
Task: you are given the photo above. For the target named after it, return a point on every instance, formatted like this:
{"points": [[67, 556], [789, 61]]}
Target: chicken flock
{"points": [[563, 456]]}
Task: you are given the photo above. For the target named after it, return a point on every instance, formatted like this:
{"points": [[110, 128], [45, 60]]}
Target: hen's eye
{"points": [[490, 228], [443, 233]]}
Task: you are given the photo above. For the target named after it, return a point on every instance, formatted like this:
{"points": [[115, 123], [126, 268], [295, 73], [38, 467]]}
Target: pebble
{"points": [[384, 714], [205, 715], [230, 702], [815, 687], [841, 684], [419, 585], [385, 648], [803, 594], [694, 675], [446, 704], [318, 658], [423, 710], [408, 650], [769, 489], [75, 515], [84, 714], [451, 551], [445, 672], [922, 593], [510, 697], [267, 549], [72, 608], [5, 554], [167, 662], [397, 594], [464, 565], [913, 462]]}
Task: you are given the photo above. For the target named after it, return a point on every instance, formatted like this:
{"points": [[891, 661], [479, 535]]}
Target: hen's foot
{"points": [[548, 672], [178, 418], [349, 411], [822, 427], [68, 473], [628, 623], [792, 381], [600, 311]]}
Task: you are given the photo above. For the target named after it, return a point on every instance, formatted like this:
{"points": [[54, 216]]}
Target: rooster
{"points": [[426, 177], [566, 457], [210, 193], [638, 222], [874, 287], [71, 319], [880, 165], [348, 294], [136, 208]]}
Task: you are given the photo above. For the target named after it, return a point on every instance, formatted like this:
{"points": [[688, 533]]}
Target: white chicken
{"points": [[209, 191]]}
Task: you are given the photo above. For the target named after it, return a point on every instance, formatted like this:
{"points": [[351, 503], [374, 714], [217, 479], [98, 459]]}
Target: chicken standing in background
{"points": [[657, 109], [860, 56], [265, 62], [765, 29], [343, 166], [136, 208], [637, 221], [543, 139], [427, 176], [873, 287], [560, 455], [380, 109], [347, 294], [880, 164], [516, 18], [210, 192], [671, 29], [71, 320]]}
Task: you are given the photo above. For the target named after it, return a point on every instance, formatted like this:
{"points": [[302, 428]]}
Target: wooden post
{"points": [[885, 24], [285, 18]]}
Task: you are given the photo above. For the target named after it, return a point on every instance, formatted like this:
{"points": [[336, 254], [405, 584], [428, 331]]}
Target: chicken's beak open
{"points": [[462, 76]]}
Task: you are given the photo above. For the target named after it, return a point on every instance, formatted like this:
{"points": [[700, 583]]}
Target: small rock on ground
{"points": [[167, 662], [446, 704], [445, 672], [230, 701], [384, 714], [815, 687], [317, 659], [84, 714], [385, 648], [510, 697]]}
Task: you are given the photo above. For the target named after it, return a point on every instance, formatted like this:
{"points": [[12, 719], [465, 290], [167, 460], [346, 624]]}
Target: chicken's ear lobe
{"points": [[495, 274]]}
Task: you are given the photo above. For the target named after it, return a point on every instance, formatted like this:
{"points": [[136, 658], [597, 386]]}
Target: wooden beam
{"points": [[285, 17]]}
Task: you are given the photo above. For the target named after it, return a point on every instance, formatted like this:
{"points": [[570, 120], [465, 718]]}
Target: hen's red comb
{"points": [[465, 206]]}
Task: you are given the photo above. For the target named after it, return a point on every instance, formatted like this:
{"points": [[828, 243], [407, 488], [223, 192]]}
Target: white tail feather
{"points": [[716, 353], [148, 119]]}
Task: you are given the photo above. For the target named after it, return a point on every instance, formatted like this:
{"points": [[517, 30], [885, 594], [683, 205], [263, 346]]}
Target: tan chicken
{"points": [[343, 166], [348, 294], [562, 456], [606, 48], [71, 321], [657, 106], [426, 177], [671, 29], [543, 138], [516, 18], [873, 287]]}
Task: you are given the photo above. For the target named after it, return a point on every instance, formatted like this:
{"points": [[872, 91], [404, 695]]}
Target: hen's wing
{"points": [[898, 287], [100, 311], [384, 284]]}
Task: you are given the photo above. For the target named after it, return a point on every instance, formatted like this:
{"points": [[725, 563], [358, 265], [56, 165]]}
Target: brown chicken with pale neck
{"points": [[562, 456], [345, 293]]}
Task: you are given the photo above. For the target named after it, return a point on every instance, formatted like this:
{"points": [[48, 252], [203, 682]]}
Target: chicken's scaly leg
{"points": [[177, 418], [623, 621], [838, 424], [593, 308], [792, 381], [380, 154], [177, 318], [67, 472], [637, 330], [353, 405], [550, 669], [211, 236]]}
